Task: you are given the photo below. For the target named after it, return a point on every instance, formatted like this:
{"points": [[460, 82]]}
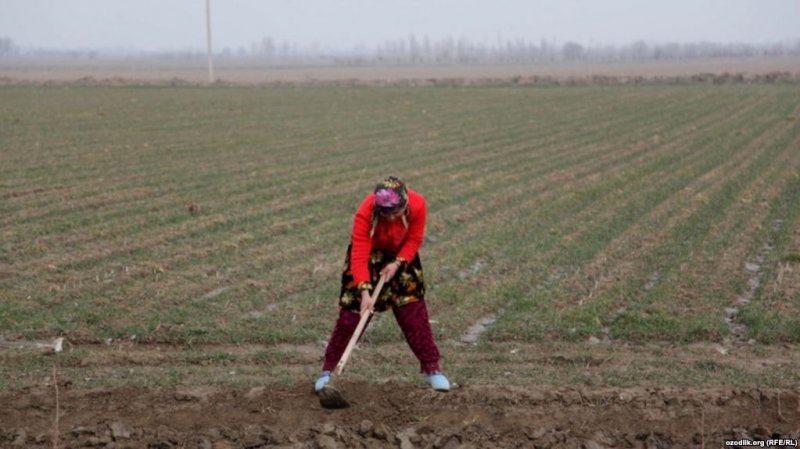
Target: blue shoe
{"points": [[323, 380], [438, 381]]}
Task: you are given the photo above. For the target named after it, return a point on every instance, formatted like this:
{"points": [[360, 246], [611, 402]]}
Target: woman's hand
{"points": [[367, 304], [390, 270]]}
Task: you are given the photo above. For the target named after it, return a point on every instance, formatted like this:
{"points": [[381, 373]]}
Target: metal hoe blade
{"points": [[330, 397]]}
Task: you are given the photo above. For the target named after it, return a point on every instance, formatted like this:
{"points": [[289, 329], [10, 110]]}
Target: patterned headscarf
{"points": [[390, 195]]}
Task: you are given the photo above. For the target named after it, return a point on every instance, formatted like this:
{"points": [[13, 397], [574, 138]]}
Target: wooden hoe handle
{"points": [[360, 328]]}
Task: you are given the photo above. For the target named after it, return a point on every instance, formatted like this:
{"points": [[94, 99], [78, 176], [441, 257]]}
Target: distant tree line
{"points": [[415, 50]]}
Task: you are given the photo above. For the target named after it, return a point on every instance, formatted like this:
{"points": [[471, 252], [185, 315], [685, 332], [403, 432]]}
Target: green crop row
{"points": [[221, 215]]}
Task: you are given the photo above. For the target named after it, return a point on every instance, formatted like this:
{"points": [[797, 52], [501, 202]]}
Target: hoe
{"points": [[329, 396]]}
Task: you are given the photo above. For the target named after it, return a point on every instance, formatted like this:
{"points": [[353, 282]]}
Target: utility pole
{"points": [[208, 33]]}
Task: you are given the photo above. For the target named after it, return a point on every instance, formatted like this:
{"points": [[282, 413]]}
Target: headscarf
{"points": [[390, 195]]}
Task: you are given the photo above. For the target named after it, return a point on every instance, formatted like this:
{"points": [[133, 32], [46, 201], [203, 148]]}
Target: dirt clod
{"points": [[255, 393], [408, 438], [120, 430], [365, 428], [326, 442], [591, 444], [450, 443], [381, 432]]}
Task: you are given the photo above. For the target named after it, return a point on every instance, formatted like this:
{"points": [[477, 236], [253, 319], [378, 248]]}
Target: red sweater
{"points": [[389, 235]]}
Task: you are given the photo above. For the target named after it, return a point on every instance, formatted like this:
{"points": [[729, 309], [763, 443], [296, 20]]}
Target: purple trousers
{"points": [[413, 321]]}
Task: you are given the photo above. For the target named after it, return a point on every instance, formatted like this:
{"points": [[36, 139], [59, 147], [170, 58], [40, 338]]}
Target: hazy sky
{"points": [[343, 24]]}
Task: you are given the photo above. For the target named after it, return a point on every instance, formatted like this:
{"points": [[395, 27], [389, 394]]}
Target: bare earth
{"points": [[259, 72], [397, 411], [399, 415]]}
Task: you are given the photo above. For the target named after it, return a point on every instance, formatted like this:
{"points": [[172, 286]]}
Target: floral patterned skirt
{"points": [[407, 285]]}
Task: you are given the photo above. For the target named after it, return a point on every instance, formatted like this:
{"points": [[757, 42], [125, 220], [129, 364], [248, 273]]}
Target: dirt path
{"points": [[398, 415], [132, 70]]}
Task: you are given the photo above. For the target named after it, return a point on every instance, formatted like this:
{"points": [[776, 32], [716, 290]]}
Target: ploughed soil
{"points": [[396, 415]]}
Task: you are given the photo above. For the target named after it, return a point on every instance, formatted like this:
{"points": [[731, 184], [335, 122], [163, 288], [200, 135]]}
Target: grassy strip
{"points": [[555, 364]]}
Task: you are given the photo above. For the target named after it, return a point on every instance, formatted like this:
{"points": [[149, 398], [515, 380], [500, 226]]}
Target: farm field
{"points": [[607, 266]]}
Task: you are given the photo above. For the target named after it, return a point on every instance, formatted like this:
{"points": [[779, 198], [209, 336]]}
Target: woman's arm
{"points": [[361, 241]]}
